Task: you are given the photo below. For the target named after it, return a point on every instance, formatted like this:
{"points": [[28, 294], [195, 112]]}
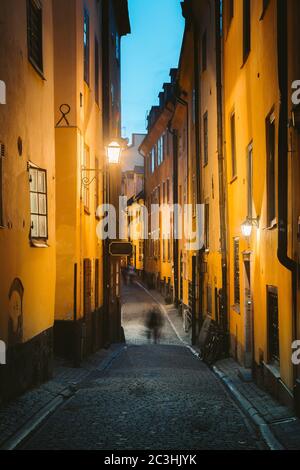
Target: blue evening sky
{"points": [[148, 53]]}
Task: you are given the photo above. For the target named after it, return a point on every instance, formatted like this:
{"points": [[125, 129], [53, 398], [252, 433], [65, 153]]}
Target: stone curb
{"points": [[32, 424], [251, 412], [38, 418]]}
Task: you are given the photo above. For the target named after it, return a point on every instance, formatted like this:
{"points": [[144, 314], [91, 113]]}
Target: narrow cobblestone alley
{"points": [[150, 397]]}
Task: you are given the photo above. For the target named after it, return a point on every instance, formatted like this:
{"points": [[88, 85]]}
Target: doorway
{"points": [[248, 309]]}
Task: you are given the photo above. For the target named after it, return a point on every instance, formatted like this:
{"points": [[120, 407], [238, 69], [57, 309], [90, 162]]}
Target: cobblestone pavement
{"points": [[150, 397], [281, 419]]}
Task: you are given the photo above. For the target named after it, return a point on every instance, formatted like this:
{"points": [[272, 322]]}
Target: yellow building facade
{"points": [[260, 299], [80, 166], [27, 184]]}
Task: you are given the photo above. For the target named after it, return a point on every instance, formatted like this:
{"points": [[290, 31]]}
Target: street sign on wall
{"points": [[120, 249]]}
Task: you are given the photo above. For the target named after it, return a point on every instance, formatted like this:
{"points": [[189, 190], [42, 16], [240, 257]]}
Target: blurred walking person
{"points": [[154, 324]]}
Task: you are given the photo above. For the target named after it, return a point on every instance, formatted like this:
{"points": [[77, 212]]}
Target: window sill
{"points": [[37, 243], [236, 308], [273, 225]]}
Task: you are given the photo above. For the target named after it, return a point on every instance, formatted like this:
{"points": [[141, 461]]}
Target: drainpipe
{"points": [[175, 225], [284, 259], [198, 160], [221, 164]]}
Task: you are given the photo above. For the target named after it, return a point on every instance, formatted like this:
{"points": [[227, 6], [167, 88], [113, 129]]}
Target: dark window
{"points": [[230, 11], [236, 254], [250, 179], [265, 4], [246, 28], [206, 226], [38, 203], [96, 70], [86, 45], [117, 47], [270, 137], [205, 137], [273, 325], [35, 33], [233, 146], [204, 51], [168, 191], [2, 154]]}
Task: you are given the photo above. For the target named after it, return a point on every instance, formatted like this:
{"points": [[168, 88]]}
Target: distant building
{"points": [[157, 147]]}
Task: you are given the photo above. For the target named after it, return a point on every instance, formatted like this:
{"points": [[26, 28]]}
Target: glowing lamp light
{"points": [[247, 229], [113, 151], [248, 225]]}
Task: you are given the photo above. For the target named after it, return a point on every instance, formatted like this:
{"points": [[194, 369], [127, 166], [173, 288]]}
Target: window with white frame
{"points": [[38, 203]]}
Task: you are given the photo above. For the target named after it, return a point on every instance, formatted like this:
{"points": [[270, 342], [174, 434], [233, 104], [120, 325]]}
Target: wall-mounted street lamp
{"points": [[248, 225], [113, 152]]}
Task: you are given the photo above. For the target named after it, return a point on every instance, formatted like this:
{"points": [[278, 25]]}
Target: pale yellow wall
{"points": [[28, 114]]}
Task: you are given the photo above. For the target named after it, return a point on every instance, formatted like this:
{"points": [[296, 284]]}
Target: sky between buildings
{"points": [[147, 56]]}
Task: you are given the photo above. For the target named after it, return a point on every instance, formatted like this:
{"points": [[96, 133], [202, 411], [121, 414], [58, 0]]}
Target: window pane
{"points": [[34, 226], [42, 226], [34, 203], [42, 204], [33, 179], [41, 182]]}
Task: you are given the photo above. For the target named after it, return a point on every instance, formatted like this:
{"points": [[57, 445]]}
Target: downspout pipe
{"points": [[282, 254], [221, 166], [198, 157]]}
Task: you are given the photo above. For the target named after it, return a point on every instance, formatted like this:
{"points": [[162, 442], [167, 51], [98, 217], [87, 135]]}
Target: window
{"points": [[230, 12], [86, 45], [250, 180], [233, 146], [205, 137], [38, 203], [35, 34], [204, 52], [265, 4], [86, 188], [117, 46], [97, 183], [96, 70], [206, 226], [246, 29], [273, 325], [271, 201], [168, 191], [153, 160], [2, 153], [236, 264], [160, 150]]}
